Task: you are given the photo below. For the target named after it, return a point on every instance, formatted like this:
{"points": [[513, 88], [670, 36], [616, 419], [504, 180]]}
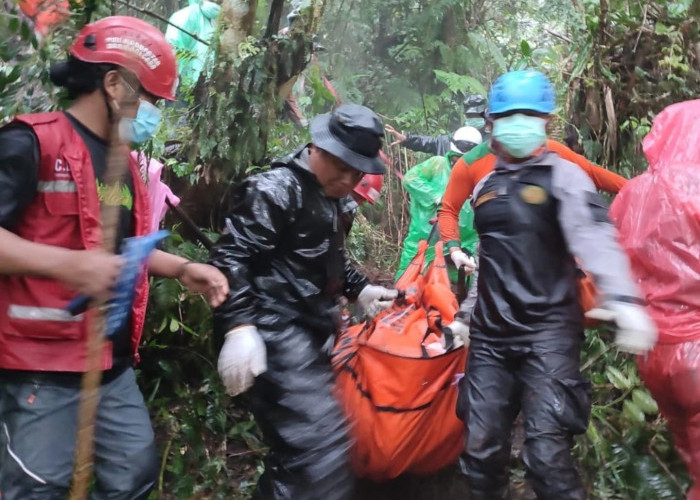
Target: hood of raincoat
{"points": [[657, 215], [673, 132]]}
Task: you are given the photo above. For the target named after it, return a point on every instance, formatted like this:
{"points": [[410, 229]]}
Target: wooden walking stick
{"points": [[116, 170]]}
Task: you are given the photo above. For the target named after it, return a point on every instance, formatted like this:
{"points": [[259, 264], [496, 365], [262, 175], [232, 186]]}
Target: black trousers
{"points": [[294, 405], [542, 379]]}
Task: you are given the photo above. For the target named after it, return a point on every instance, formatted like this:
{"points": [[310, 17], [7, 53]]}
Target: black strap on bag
{"points": [[462, 285]]}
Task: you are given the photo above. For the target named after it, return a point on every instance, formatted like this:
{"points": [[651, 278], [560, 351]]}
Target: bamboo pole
{"points": [[116, 170]]}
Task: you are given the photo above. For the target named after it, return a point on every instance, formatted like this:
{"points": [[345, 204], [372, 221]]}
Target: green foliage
{"points": [[236, 107], [629, 61], [368, 246], [620, 61], [210, 447], [414, 62], [626, 451], [23, 67]]}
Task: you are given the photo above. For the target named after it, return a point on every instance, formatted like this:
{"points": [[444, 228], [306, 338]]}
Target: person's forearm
{"points": [[424, 143], [166, 265], [606, 180], [20, 256]]}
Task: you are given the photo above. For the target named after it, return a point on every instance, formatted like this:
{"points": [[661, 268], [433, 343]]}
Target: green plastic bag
{"points": [[200, 19], [426, 183]]}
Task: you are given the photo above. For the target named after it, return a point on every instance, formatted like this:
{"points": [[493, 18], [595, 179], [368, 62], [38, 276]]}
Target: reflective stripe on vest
{"points": [[42, 314], [56, 187]]}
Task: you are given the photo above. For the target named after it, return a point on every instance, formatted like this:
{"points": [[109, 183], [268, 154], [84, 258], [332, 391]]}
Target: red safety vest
{"points": [[36, 333]]}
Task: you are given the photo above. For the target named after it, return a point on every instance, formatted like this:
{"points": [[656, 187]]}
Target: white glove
{"points": [[459, 330], [242, 358], [636, 332], [461, 259], [374, 299]]}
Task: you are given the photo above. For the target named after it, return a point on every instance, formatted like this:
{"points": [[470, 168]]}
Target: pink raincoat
{"points": [[158, 191], [658, 218]]}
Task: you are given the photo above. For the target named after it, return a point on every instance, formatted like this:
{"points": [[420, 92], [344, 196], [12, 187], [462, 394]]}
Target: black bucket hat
{"points": [[352, 133]]}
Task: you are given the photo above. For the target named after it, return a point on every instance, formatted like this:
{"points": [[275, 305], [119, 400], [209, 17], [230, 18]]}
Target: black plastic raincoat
{"points": [[286, 263], [438, 145]]}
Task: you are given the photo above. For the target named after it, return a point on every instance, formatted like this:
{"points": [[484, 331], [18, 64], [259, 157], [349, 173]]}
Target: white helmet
{"points": [[464, 139]]}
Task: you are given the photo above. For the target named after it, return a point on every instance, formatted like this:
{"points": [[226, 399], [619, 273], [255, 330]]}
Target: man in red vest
{"points": [[52, 185]]}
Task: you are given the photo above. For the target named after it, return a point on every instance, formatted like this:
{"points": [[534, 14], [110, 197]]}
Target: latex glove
{"points": [[459, 330], [243, 357], [636, 332], [374, 299], [461, 259]]}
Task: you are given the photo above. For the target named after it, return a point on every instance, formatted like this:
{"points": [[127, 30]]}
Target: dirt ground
{"points": [[448, 484]]}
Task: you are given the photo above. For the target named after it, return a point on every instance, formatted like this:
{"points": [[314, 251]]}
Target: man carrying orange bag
{"points": [[534, 212], [482, 160]]}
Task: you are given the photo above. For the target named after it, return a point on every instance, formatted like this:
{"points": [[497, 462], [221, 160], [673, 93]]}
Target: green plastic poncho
{"points": [[426, 183], [199, 18]]}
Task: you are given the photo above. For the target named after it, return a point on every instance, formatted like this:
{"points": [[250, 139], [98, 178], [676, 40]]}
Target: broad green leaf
{"points": [[645, 402], [523, 63], [661, 29], [525, 48], [581, 61], [481, 44], [25, 31], [607, 73], [459, 83], [632, 412], [617, 378], [679, 8]]}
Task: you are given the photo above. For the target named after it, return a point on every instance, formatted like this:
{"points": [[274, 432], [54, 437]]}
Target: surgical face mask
{"points": [[140, 129], [477, 123], [520, 135]]}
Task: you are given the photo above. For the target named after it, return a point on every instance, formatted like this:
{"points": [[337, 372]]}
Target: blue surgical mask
{"points": [[477, 123], [146, 122], [520, 135], [140, 129]]}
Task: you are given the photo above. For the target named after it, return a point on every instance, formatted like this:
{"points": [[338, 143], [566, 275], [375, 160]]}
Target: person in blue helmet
{"points": [[535, 213]]}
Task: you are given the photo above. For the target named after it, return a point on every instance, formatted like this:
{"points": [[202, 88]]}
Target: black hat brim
{"points": [[322, 137]]}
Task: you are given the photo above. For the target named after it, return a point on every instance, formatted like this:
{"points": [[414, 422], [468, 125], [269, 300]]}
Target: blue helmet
{"points": [[527, 90]]}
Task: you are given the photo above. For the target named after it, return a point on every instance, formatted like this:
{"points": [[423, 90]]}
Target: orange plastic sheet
{"points": [[397, 379]]}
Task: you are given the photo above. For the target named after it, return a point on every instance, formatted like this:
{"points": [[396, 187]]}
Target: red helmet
{"points": [[134, 45], [369, 187]]}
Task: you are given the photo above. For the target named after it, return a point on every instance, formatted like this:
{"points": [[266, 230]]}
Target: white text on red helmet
{"points": [[127, 44]]}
